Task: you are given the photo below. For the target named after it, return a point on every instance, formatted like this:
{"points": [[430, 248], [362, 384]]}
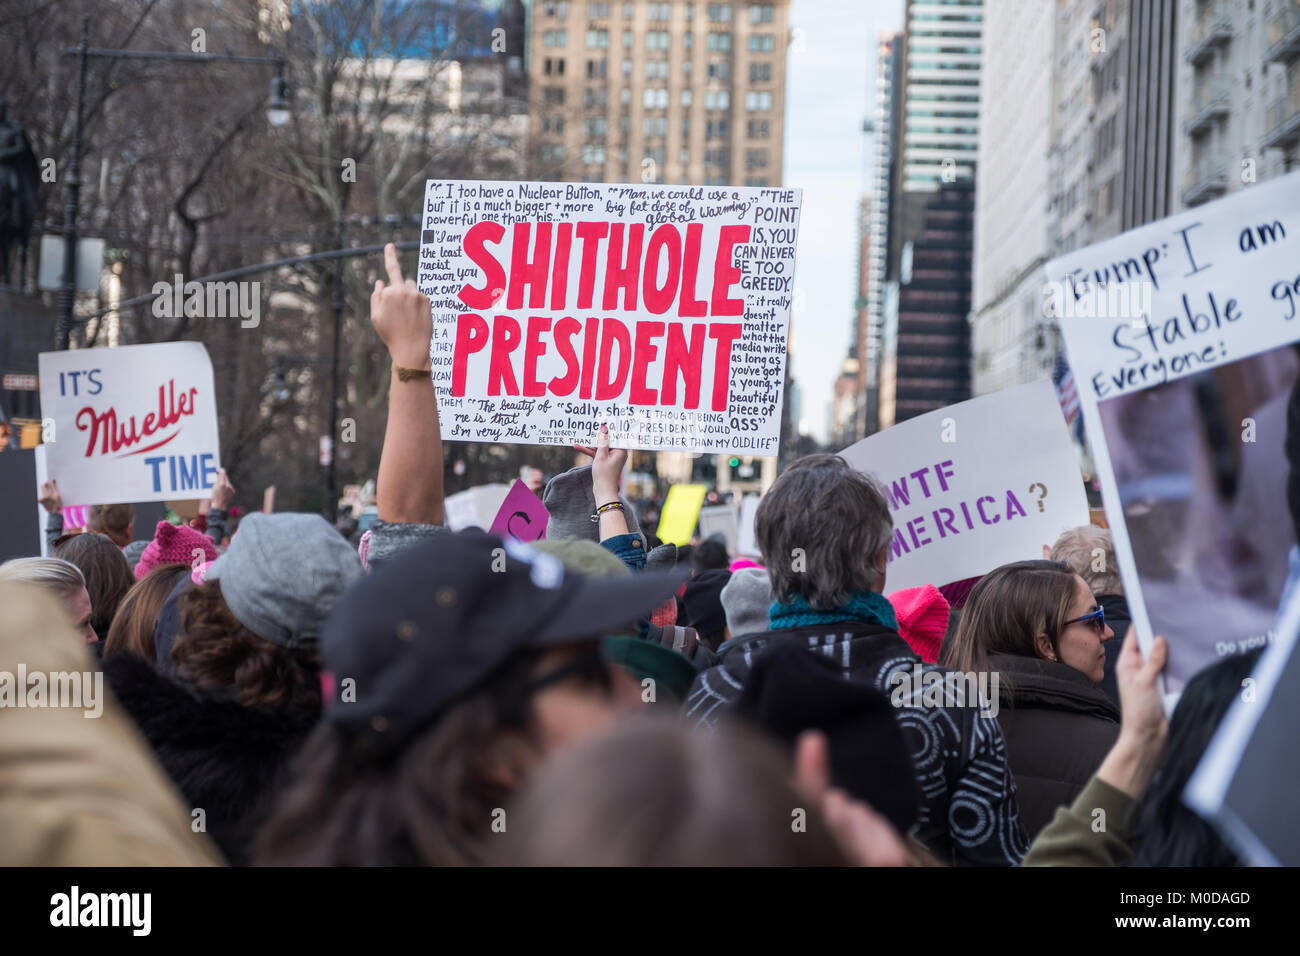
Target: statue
{"points": [[19, 192]]}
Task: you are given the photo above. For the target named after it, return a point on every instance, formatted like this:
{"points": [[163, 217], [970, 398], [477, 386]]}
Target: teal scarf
{"points": [[867, 607]]}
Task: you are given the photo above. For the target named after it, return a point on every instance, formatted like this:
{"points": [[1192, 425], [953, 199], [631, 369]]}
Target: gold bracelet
{"points": [[407, 374]]}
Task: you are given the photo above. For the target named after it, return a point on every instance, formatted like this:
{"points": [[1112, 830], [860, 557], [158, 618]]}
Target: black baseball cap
{"points": [[440, 618]]}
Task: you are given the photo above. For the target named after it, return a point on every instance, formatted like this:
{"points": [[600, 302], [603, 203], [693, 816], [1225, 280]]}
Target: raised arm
{"points": [[409, 488]]}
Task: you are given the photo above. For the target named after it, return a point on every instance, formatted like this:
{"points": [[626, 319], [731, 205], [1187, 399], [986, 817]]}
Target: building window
{"points": [[555, 38], [597, 39], [684, 156], [598, 11], [557, 10], [628, 11], [627, 67], [719, 70], [720, 12], [758, 101], [656, 40], [761, 13], [661, 11], [686, 69], [688, 40], [553, 95], [758, 129], [655, 126], [715, 129], [715, 157], [686, 127], [593, 154], [760, 72], [627, 39], [596, 127], [655, 99], [717, 100], [719, 41], [686, 98], [595, 96], [761, 43], [595, 68], [626, 95], [755, 158]]}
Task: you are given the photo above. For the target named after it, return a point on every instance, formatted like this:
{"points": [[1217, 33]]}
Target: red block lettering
{"points": [[471, 336], [494, 277]]}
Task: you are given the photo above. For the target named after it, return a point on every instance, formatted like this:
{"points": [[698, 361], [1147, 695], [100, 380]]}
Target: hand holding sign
{"points": [[50, 498], [402, 316], [606, 466]]}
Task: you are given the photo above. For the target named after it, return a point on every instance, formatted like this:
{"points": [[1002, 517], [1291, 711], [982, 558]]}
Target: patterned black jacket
{"points": [[969, 815]]}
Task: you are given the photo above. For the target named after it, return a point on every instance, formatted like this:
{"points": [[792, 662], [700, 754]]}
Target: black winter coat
{"points": [[226, 759], [1058, 725], [968, 797]]}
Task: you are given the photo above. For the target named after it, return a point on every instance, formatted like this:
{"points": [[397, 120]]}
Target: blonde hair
{"points": [[53, 574]]}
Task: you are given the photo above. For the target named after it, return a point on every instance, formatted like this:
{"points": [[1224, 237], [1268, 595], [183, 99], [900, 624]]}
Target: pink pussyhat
{"points": [[922, 619]]}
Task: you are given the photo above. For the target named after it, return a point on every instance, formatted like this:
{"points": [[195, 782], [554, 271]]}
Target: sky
{"points": [[831, 58]]}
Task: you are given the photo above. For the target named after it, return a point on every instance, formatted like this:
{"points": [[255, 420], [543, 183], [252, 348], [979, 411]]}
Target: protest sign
{"points": [[522, 516], [723, 520], [475, 507], [679, 514], [975, 485], [137, 423], [1252, 760], [746, 543], [662, 311], [1181, 337]]}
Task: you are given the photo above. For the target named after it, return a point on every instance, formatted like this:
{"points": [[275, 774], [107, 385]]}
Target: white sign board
{"points": [[475, 507], [662, 311], [720, 519], [748, 543], [1179, 335], [137, 423], [975, 485]]}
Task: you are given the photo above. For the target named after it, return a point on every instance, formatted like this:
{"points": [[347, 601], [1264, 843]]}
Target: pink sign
{"points": [[522, 516], [76, 516]]}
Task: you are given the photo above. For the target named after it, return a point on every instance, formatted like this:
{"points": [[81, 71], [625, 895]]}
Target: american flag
{"points": [[1066, 393]]}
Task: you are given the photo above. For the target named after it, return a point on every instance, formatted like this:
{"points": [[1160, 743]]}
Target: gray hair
{"points": [[820, 527], [1089, 552], [53, 574]]}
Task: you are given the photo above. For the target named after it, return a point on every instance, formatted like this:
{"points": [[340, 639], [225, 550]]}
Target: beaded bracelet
{"points": [[611, 506]]}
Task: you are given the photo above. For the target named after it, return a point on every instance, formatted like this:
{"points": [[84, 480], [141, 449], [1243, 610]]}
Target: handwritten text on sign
{"points": [[1182, 295], [662, 311], [136, 423], [975, 485]]}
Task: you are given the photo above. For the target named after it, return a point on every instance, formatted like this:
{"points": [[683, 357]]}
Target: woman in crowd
{"points": [[63, 580], [1037, 628], [132, 630], [442, 699], [107, 573], [246, 687]]}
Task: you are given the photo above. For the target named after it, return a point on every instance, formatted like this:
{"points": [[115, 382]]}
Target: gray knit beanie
{"points": [[747, 598], [571, 502], [282, 574]]}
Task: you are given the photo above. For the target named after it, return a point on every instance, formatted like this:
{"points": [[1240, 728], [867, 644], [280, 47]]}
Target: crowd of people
{"points": [[282, 696]]}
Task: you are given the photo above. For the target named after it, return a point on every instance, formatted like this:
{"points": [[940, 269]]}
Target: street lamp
{"points": [[277, 114]]}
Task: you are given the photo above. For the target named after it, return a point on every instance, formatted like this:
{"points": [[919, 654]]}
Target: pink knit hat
{"points": [[741, 563], [174, 544], [922, 619]]}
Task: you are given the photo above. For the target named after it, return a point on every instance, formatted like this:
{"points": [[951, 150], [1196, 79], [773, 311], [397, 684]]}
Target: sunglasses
{"points": [[1096, 618]]}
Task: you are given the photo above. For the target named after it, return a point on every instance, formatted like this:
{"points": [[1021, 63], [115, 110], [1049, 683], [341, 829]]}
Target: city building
{"points": [[668, 92], [1093, 127], [931, 206], [1012, 185], [1238, 95]]}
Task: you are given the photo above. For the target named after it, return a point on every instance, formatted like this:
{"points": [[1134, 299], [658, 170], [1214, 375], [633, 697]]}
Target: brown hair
{"points": [[654, 792], [132, 630], [430, 804], [820, 527], [215, 652], [1007, 609], [106, 570], [112, 520]]}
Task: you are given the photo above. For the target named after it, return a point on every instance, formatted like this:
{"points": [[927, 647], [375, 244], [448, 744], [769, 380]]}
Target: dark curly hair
{"points": [[216, 653]]}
